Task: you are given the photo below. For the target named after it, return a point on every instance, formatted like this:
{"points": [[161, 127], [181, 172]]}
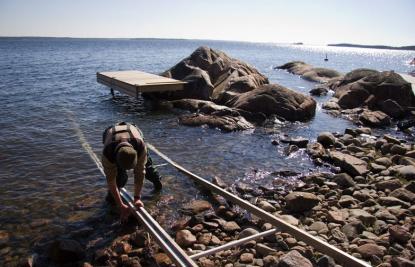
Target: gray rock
{"points": [[319, 227], [349, 164], [294, 259], [289, 219], [389, 184], [301, 201], [353, 229], [399, 234], [327, 139], [231, 227], [407, 172], [66, 250], [347, 201], [393, 201], [375, 118], [264, 250], [185, 238], [362, 215], [404, 195], [343, 180], [368, 250], [247, 232]]}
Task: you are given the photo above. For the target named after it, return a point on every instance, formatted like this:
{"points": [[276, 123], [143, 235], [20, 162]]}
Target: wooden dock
{"points": [[132, 82]]}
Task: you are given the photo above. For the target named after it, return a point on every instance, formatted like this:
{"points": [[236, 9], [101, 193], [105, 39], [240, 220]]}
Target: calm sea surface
{"points": [[52, 110]]}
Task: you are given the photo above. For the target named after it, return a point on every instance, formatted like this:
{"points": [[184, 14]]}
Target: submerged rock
{"points": [[66, 250], [308, 72]]}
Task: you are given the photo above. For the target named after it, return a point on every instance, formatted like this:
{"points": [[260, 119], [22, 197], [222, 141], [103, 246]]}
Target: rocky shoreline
{"points": [[365, 204]]}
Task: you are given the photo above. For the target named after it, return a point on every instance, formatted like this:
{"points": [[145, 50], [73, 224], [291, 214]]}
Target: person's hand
{"points": [[138, 203], [124, 212]]}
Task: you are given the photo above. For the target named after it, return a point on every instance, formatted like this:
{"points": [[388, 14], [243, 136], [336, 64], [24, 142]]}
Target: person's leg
{"points": [[152, 174]]}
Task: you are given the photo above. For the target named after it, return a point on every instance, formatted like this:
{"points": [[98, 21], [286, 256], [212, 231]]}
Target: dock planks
{"points": [[132, 82]]}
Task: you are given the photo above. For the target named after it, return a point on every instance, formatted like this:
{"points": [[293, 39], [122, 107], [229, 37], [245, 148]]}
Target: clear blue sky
{"points": [[309, 21]]}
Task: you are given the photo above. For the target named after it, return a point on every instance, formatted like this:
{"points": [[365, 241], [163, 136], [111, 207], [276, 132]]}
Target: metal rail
{"points": [[176, 254], [339, 255], [232, 244]]}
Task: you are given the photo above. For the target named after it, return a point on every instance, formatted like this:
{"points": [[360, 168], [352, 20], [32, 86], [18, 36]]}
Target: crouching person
{"points": [[124, 149]]}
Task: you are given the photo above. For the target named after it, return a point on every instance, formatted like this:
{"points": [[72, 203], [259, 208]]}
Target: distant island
{"points": [[375, 46]]}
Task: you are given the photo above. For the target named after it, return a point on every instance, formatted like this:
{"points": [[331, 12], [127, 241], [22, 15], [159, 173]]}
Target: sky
{"points": [[309, 21]]}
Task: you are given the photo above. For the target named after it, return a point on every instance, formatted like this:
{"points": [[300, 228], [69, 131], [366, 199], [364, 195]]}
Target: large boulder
{"points": [[209, 73], [310, 73], [276, 100], [372, 88]]}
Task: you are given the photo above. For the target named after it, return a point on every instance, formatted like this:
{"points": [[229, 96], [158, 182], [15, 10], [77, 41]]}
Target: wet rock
{"points": [[227, 123], [315, 150], [368, 250], [407, 172], [343, 180], [101, 256], [399, 234], [301, 201], [246, 258], [392, 108], [294, 259], [66, 250], [182, 222], [297, 141], [375, 118], [185, 238], [219, 182], [348, 163], [162, 259], [327, 139], [310, 73], [122, 248], [197, 206], [319, 91], [4, 238]]}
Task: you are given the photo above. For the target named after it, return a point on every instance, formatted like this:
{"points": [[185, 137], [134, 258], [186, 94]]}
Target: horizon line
{"points": [[196, 39]]}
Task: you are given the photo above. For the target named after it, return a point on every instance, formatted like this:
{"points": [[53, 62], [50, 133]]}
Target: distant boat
{"points": [[326, 59]]}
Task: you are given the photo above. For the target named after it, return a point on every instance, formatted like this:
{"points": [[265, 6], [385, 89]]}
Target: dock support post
{"points": [[112, 93]]}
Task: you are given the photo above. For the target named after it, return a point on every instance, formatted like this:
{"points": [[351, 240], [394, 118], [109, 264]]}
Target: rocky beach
{"points": [[360, 197]]}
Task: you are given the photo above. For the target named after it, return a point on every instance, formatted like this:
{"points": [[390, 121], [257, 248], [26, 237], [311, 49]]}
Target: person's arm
{"points": [[139, 174], [111, 175]]}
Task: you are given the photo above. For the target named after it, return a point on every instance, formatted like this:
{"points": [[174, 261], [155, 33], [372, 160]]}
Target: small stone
{"points": [[352, 229], [384, 161], [266, 206], [162, 259], [231, 226], [327, 139], [197, 206], [338, 235], [393, 201], [185, 238], [343, 180], [363, 216], [403, 194], [389, 184], [319, 227], [270, 261], [347, 201], [246, 258], [398, 149], [205, 262], [122, 248], [138, 239], [367, 250], [264, 250], [301, 201], [289, 219], [247, 232], [294, 259], [337, 216], [399, 234]]}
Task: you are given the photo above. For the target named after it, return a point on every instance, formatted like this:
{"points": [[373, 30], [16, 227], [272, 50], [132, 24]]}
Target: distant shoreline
{"points": [[411, 48]]}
